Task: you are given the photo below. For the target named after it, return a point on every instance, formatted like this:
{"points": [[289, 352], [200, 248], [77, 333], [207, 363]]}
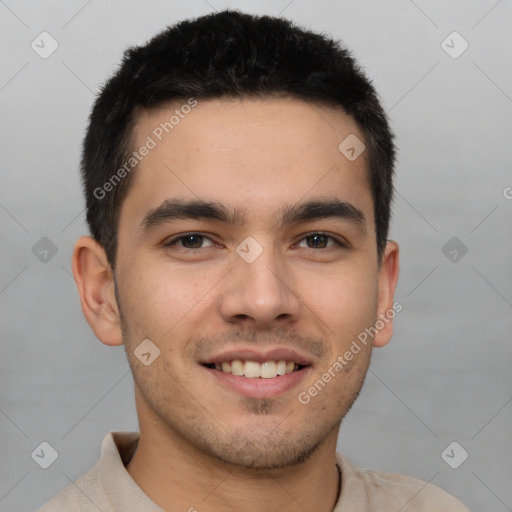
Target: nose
{"points": [[260, 294]]}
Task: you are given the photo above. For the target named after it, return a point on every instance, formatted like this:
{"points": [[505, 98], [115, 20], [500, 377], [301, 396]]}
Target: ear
{"points": [[386, 308], [95, 283]]}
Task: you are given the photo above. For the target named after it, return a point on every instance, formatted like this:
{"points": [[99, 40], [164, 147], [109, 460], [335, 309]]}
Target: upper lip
{"points": [[248, 354]]}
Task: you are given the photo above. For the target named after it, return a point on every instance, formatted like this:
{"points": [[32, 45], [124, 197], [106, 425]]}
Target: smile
{"points": [[253, 369]]}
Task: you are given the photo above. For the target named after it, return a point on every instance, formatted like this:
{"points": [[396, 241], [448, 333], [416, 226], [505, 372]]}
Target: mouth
{"points": [[258, 375], [254, 369]]}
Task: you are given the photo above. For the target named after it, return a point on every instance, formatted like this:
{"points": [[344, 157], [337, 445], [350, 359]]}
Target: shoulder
{"points": [[65, 500], [416, 495], [108, 480], [80, 496], [386, 490]]}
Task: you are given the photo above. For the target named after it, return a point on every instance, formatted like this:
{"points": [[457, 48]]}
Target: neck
{"points": [[178, 476]]}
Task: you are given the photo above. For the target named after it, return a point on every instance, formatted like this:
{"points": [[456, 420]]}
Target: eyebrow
{"points": [[197, 209]]}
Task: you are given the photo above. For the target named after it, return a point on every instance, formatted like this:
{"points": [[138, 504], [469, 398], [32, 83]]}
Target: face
{"points": [[247, 247]]}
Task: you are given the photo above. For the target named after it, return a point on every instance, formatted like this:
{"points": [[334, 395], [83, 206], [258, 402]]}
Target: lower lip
{"points": [[258, 387]]}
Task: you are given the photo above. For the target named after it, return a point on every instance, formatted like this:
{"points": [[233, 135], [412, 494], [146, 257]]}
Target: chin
{"points": [[266, 451]]}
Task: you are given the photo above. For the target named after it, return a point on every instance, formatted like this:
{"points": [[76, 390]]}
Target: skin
{"points": [[203, 445]]}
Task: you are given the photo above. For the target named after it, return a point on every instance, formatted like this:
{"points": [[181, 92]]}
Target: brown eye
{"points": [[319, 241], [189, 241], [192, 241]]}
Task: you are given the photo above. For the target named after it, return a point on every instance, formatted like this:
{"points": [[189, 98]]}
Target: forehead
{"points": [[252, 153]]}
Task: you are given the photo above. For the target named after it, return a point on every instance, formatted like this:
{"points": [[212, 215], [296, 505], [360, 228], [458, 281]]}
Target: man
{"points": [[238, 178]]}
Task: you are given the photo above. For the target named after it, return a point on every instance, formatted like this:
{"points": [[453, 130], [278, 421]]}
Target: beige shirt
{"points": [[108, 487]]}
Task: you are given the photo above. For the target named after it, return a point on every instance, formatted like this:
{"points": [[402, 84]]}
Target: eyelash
{"points": [[173, 241]]}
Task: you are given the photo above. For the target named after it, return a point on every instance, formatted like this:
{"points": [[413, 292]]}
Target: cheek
{"points": [[159, 300], [345, 301]]}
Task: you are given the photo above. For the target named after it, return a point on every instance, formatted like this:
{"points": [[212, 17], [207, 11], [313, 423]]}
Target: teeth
{"points": [[253, 369], [237, 367], [268, 370]]}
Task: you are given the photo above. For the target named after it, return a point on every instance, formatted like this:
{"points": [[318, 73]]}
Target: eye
{"points": [[190, 241], [319, 241]]}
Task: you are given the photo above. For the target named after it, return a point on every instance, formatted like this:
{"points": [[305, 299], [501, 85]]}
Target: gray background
{"points": [[446, 375]]}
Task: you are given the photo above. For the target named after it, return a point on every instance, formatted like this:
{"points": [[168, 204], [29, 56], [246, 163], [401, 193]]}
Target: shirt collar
{"points": [[116, 450]]}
